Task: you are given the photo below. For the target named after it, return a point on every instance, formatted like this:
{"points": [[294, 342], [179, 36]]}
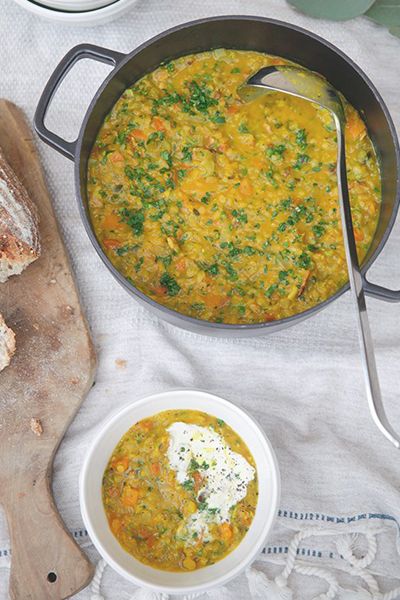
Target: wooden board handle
{"points": [[47, 564]]}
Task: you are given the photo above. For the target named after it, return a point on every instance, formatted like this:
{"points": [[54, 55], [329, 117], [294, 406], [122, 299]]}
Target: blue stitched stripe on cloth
{"points": [[310, 516]]}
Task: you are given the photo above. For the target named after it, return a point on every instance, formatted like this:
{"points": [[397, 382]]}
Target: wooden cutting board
{"points": [[49, 376]]}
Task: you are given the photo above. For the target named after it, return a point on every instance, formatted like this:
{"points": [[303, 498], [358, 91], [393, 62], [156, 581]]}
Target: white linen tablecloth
{"points": [[340, 478]]}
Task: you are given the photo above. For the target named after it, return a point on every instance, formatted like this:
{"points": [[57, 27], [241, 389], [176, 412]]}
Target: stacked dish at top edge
{"points": [[74, 5]]}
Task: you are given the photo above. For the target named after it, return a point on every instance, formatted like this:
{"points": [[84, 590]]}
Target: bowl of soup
{"points": [[179, 491], [222, 216]]}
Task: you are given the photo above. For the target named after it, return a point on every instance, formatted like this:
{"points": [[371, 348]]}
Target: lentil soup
{"points": [[223, 210], [180, 490]]}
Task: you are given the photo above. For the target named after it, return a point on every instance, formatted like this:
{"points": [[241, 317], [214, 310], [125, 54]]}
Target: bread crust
{"points": [[7, 344], [19, 224]]}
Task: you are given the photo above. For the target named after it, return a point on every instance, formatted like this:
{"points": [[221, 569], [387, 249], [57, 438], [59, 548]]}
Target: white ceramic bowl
{"points": [[89, 17], [95, 519]]}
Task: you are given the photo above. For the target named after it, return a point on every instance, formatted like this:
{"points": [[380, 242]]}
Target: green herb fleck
{"points": [[186, 154], [200, 98], [139, 264], [231, 272], [133, 218], [277, 150], [301, 138], [194, 465], [165, 260], [167, 157], [218, 118], [304, 261], [188, 485], [318, 230], [240, 215], [301, 160], [213, 269], [173, 288], [272, 288]]}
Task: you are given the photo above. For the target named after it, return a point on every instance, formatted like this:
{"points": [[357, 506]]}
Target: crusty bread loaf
{"points": [[19, 234], [7, 344]]}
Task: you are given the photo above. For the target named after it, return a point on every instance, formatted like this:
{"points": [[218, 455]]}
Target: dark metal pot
{"points": [[245, 33]]}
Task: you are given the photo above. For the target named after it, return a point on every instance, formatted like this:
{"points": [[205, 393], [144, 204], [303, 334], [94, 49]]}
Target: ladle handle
{"points": [[356, 284]]}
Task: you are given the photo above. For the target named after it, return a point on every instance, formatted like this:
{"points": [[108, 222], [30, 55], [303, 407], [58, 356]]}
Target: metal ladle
{"points": [[313, 87]]}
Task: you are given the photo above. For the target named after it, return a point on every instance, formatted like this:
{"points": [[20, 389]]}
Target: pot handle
{"points": [[379, 292], [104, 55]]}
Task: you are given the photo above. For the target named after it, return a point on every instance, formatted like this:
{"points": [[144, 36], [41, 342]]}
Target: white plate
{"points": [[93, 17], [95, 519]]}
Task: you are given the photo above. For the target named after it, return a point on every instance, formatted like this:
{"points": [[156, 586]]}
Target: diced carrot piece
{"points": [[355, 127], [151, 541], [130, 496], [138, 134], [180, 264], [121, 464], [144, 533], [155, 468], [358, 234], [198, 481], [257, 162], [116, 157], [226, 532], [145, 425], [111, 221], [216, 300], [245, 187], [268, 317], [158, 124], [159, 290], [110, 243], [233, 109], [115, 525]]}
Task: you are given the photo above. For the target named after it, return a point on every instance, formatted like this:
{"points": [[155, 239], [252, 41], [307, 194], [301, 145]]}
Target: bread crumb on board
{"points": [[120, 363], [36, 426]]}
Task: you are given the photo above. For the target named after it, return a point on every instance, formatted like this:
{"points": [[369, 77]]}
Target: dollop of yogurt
{"points": [[225, 474]]}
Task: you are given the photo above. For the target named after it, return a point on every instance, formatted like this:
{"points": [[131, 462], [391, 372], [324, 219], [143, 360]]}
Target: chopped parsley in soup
{"points": [[180, 490], [224, 210]]}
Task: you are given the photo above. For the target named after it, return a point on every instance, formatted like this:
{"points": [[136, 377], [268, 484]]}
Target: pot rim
{"points": [[211, 325]]}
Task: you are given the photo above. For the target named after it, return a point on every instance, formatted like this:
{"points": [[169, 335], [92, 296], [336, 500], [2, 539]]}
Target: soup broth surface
{"points": [[180, 490], [223, 210]]}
